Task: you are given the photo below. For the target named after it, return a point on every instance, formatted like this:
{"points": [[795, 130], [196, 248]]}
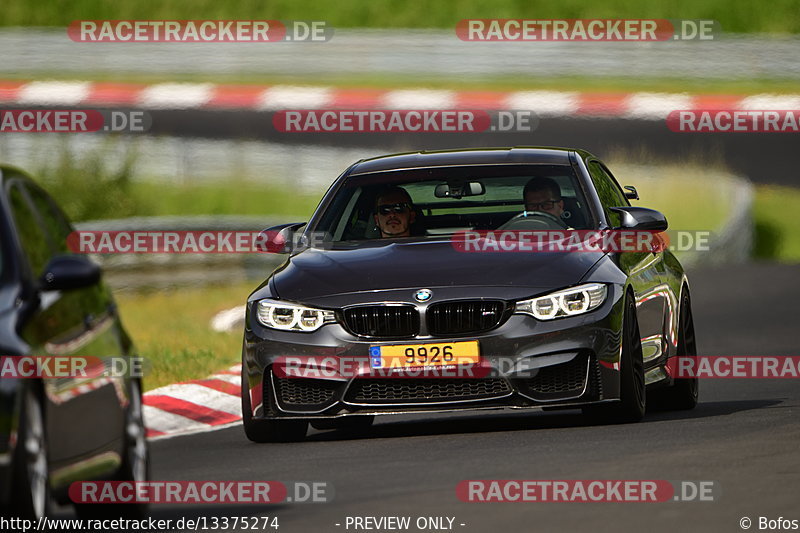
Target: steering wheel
{"points": [[535, 220]]}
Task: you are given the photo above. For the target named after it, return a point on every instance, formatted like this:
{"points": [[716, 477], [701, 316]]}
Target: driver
{"points": [[394, 212], [543, 194]]}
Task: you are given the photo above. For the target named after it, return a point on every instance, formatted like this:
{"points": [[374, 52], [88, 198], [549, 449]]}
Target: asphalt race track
{"points": [[763, 158], [744, 435]]}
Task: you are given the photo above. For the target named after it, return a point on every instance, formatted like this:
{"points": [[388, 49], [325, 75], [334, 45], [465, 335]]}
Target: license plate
{"points": [[424, 355]]}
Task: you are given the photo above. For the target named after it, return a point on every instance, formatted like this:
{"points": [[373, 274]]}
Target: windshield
{"points": [[435, 202]]}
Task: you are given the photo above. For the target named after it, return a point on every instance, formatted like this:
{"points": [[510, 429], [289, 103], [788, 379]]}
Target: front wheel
{"points": [[633, 400], [684, 392], [31, 495]]}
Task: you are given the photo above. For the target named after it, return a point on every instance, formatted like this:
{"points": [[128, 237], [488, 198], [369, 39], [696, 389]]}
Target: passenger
{"points": [[543, 194]]}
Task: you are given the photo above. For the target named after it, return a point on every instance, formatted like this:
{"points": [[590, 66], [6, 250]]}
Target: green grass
{"points": [[170, 329], [230, 197], [777, 226], [149, 198], [691, 200], [94, 187], [736, 16]]}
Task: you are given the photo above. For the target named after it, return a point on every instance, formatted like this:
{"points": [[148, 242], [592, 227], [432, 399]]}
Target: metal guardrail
{"points": [[429, 53], [136, 271]]}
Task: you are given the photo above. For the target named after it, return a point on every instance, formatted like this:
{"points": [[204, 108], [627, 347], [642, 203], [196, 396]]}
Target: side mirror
{"points": [[641, 218], [631, 193], [67, 272], [280, 239]]}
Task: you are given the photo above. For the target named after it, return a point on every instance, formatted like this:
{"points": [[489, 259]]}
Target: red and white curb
{"points": [[194, 406], [641, 105]]}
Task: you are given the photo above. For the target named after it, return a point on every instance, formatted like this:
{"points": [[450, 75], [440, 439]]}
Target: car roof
{"points": [[471, 156]]}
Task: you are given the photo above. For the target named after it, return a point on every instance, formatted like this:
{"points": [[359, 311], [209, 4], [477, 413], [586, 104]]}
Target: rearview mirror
{"points": [[67, 272], [459, 189], [641, 218], [631, 193]]}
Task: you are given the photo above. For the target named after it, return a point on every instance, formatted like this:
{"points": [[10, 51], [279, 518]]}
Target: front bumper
{"points": [[570, 361]]}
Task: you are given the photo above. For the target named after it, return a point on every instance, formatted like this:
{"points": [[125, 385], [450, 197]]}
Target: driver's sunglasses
{"points": [[385, 209], [541, 206]]}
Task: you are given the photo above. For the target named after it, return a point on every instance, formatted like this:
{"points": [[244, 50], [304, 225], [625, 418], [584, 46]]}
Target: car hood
{"points": [[401, 268]]}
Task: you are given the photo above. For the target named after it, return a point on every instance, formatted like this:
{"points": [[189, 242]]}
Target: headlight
{"points": [[574, 301], [292, 317]]}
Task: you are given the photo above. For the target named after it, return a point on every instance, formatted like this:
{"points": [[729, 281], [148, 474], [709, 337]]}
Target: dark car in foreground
{"points": [[63, 426], [380, 309]]}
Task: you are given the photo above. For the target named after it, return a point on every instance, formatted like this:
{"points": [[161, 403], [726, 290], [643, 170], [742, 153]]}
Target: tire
{"points": [[349, 424], [268, 430], [684, 392], [632, 389], [135, 464], [31, 495]]}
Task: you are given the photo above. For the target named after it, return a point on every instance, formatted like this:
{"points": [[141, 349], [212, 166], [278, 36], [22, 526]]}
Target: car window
{"points": [[609, 191], [31, 234], [350, 216], [54, 220]]}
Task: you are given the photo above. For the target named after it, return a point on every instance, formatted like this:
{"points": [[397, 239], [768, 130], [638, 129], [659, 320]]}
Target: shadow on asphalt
{"points": [[708, 409], [526, 421]]}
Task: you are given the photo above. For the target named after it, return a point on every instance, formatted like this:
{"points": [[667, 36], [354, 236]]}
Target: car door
{"points": [[83, 415], [644, 268]]}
